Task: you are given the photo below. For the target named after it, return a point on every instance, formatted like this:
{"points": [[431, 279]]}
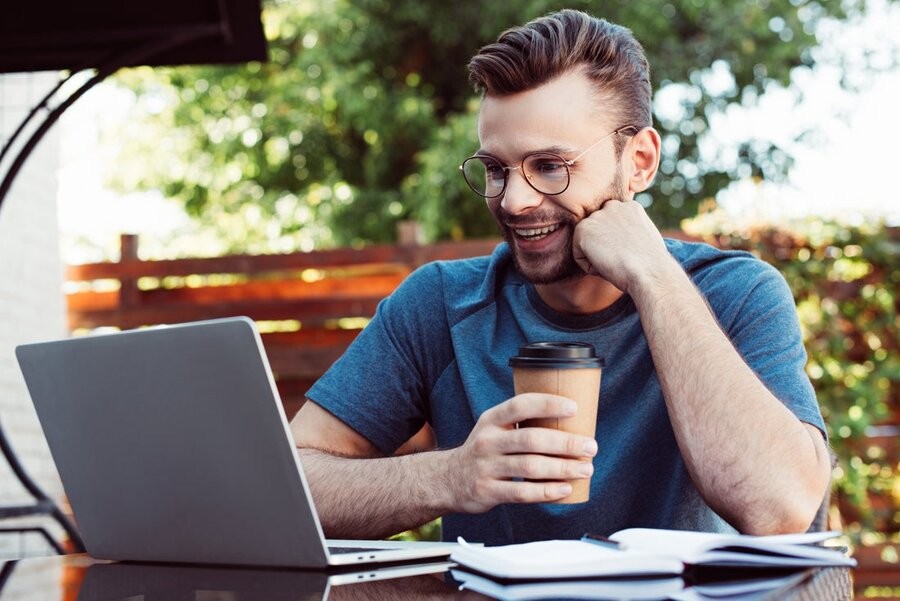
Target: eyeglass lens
{"points": [[546, 173]]}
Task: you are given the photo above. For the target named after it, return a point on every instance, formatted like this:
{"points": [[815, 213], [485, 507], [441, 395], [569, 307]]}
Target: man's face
{"points": [[563, 117]]}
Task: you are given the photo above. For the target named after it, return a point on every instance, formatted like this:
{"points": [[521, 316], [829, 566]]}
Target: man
{"points": [[706, 421]]}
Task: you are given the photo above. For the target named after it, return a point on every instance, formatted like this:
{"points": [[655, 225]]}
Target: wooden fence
{"points": [[310, 306]]}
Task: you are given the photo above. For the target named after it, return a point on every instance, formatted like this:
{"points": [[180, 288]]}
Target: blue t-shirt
{"points": [[437, 351]]}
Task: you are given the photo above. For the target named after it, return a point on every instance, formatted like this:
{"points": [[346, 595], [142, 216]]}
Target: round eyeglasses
{"points": [[546, 172]]}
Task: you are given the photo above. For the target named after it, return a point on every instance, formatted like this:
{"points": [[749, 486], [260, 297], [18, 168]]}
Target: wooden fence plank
{"points": [[310, 337], [312, 312], [254, 264], [250, 264]]}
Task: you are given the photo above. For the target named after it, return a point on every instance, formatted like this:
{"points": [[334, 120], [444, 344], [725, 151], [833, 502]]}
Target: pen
{"points": [[596, 539]]}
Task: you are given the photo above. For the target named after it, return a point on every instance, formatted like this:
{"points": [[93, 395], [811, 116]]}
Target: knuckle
{"points": [[481, 445], [528, 438], [530, 466], [549, 492], [489, 414], [551, 405], [519, 494]]}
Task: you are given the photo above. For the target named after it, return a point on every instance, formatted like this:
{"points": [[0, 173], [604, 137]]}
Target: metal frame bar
{"points": [[7, 146], [43, 504], [39, 530], [5, 570]]}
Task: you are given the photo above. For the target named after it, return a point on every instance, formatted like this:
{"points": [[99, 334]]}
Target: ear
{"points": [[643, 150]]}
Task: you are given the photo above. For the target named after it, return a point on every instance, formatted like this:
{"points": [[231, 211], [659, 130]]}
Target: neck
{"points": [[581, 295]]}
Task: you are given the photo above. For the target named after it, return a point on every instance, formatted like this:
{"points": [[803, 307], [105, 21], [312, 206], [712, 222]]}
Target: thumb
{"points": [[580, 256], [582, 261]]}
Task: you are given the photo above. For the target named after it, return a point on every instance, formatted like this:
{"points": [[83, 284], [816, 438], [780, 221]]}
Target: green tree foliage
{"points": [[364, 112]]}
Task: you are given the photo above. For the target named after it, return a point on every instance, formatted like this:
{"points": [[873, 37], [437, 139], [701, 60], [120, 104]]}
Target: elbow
{"points": [[802, 502], [794, 513], [793, 522]]}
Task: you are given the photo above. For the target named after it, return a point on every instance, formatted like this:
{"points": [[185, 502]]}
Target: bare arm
{"points": [[753, 461], [361, 495]]}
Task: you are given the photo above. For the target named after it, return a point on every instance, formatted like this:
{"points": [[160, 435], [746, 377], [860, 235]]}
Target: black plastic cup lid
{"points": [[556, 355]]}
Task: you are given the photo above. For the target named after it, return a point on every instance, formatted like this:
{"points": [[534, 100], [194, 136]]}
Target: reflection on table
{"points": [[80, 578]]}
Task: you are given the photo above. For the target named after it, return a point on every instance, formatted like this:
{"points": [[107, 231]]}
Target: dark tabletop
{"points": [[80, 578]]}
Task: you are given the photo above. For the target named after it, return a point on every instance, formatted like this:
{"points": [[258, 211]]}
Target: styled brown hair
{"points": [[528, 56]]}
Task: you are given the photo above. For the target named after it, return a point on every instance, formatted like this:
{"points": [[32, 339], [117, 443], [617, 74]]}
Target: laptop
{"points": [[172, 446]]}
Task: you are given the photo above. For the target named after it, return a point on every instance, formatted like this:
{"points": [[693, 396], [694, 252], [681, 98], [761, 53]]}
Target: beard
{"points": [[550, 268], [545, 268]]}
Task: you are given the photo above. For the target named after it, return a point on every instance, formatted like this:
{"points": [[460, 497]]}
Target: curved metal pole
{"points": [[44, 503], [5, 570], [44, 534], [42, 129], [103, 72], [43, 103], [7, 146]]}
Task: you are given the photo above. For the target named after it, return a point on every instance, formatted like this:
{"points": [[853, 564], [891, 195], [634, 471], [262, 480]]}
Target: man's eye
{"points": [[493, 170], [548, 167]]}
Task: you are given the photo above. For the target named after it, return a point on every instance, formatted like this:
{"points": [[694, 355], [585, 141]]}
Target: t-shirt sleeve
{"points": [[762, 324], [379, 386]]}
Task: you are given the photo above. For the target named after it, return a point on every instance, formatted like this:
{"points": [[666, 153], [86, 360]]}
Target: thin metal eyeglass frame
{"points": [[521, 166]]}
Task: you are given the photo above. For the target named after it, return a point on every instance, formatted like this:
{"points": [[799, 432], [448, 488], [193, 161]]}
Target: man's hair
{"points": [[528, 56]]}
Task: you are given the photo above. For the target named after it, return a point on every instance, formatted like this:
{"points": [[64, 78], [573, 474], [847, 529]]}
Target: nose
{"points": [[519, 197]]}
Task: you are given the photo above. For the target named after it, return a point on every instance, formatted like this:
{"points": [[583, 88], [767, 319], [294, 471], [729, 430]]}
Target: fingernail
{"points": [[586, 469], [569, 408], [564, 490], [590, 447]]}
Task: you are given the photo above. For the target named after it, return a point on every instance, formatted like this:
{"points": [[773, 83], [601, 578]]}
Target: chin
{"points": [[547, 272], [547, 269]]}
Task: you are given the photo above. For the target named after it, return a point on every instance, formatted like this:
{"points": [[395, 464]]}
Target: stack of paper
{"points": [[636, 589], [738, 550], [644, 551]]}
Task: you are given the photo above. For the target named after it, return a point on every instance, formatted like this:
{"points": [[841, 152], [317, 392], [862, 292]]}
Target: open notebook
{"points": [[648, 551]]}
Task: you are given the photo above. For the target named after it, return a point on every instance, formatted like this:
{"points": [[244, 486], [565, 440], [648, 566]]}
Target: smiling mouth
{"points": [[536, 233]]}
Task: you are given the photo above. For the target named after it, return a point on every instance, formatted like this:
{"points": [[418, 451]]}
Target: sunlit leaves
{"points": [[373, 94]]}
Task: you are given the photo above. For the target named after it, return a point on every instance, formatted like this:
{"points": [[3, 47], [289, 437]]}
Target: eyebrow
{"points": [[556, 149]]}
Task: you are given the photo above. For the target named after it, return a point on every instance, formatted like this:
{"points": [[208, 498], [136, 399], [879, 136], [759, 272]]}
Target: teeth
{"points": [[537, 233]]}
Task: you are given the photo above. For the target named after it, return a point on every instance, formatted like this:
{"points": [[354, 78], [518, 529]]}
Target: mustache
{"points": [[542, 218]]}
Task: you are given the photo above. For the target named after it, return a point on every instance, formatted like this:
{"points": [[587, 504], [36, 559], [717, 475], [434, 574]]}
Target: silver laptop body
{"points": [[173, 446]]}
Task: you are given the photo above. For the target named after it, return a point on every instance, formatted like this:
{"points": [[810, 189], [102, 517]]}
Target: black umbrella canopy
{"points": [[40, 35]]}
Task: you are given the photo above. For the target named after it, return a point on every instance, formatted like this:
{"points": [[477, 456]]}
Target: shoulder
{"points": [[476, 270], [706, 264], [736, 284], [464, 286]]}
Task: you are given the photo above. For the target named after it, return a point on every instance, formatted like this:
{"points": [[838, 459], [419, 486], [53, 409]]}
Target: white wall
{"points": [[31, 302]]}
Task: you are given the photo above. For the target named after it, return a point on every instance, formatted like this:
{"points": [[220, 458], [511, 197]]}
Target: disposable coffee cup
{"points": [[569, 369]]}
